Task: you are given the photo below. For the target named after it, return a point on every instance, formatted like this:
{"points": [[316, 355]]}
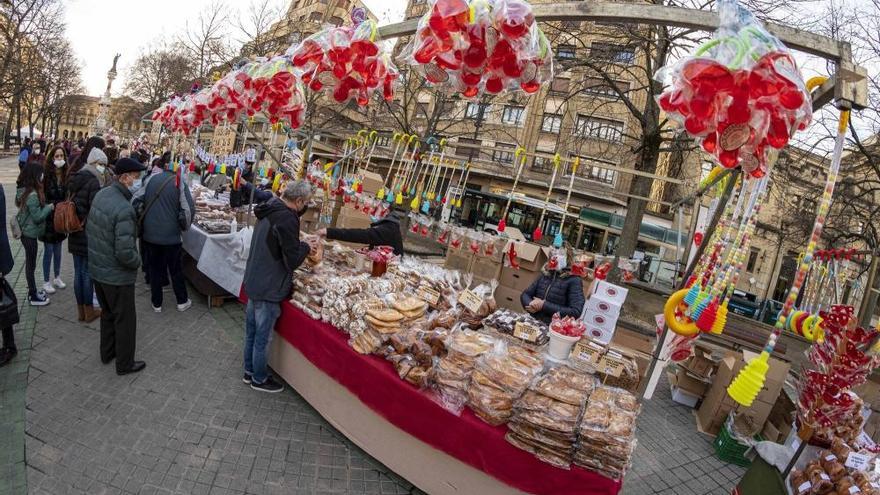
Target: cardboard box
{"points": [[634, 340], [713, 412], [349, 218], [531, 257], [690, 384], [596, 305], [372, 182], [599, 334], [700, 364], [516, 279], [457, 259], [610, 292], [485, 268], [606, 323], [508, 298], [752, 419], [680, 395], [770, 432]]}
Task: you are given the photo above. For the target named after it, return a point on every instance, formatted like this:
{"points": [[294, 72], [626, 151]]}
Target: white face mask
{"points": [[101, 169], [59, 163], [136, 185]]}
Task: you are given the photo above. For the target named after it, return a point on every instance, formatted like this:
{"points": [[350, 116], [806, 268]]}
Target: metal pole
{"points": [[866, 308]]}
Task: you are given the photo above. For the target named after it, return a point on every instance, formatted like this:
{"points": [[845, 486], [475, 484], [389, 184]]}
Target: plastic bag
{"points": [[740, 95], [474, 47]]}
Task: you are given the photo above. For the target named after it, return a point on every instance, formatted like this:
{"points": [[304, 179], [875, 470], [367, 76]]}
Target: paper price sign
{"points": [[857, 461], [610, 367], [585, 352], [865, 441], [470, 301], [429, 295], [526, 332]]}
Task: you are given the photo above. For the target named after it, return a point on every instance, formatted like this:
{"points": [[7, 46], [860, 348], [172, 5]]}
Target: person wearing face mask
{"points": [[31, 217], [55, 188], [82, 185], [555, 290], [164, 212], [111, 229], [381, 232], [276, 251]]}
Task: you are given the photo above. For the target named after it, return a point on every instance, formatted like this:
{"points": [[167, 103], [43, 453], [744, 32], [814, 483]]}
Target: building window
{"points": [[316, 16], [383, 141], [512, 115], [447, 107], [503, 156], [542, 164], [474, 111], [610, 130], [753, 260], [565, 52], [551, 122], [613, 53], [421, 110], [468, 147], [592, 169], [336, 21], [560, 85], [571, 26], [595, 86], [705, 168]]}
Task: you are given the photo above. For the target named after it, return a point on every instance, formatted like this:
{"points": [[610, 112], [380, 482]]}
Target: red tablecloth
{"points": [[467, 438]]}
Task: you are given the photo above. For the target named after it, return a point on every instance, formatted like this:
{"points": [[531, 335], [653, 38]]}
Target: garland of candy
{"points": [[472, 47], [748, 383]]}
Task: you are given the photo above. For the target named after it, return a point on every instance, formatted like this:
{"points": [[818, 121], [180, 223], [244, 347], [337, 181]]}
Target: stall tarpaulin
{"points": [[221, 257]]}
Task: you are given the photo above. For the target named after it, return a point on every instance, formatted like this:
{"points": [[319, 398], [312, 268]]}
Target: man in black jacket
{"points": [[8, 351], [382, 232], [276, 252], [554, 291]]}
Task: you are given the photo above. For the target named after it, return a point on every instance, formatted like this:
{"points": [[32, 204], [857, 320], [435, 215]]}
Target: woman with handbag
{"points": [[8, 303], [83, 182], [31, 217], [55, 188]]}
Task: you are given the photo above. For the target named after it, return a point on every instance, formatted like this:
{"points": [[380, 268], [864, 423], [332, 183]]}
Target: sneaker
{"points": [[59, 283], [270, 386], [157, 310], [48, 288], [246, 378], [185, 306], [39, 300]]}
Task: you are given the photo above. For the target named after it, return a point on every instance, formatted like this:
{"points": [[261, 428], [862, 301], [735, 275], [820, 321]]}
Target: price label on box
{"points": [[857, 461], [525, 331], [429, 295], [610, 366], [586, 352], [470, 301]]}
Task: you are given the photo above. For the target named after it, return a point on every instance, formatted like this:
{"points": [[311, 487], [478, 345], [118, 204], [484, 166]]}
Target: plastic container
{"points": [[560, 345], [379, 269]]}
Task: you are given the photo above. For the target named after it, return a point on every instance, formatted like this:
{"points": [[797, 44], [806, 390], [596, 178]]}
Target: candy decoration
{"points": [[538, 233], [746, 386], [519, 154]]}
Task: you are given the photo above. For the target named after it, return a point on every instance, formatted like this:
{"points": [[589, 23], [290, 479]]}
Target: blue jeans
{"points": [[51, 252], [260, 318], [82, 281]]}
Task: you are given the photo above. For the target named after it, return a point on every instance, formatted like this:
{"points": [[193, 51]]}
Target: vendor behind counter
{"points": [[381, 232], [555, 290]]}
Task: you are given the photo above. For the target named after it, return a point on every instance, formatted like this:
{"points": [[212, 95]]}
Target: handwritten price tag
{"points": [[526, 332], [857, 461], [470, 301], [585, 352], [429, 295], [610, 366]]}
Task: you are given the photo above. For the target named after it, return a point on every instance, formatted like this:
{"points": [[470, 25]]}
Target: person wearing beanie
{"points": [[82, 186], [113, 264]]}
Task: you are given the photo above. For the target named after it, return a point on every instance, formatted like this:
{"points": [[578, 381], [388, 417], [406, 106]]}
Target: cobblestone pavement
{"points": [[188, 425]]}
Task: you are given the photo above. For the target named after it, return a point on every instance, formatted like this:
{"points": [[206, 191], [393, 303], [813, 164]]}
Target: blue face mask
{"points": [[136, 185]]}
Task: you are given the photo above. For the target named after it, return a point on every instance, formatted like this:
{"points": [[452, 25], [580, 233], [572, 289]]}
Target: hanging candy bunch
{"points": [[741, 94], [347, 62], [841, 363], [471, 47]]}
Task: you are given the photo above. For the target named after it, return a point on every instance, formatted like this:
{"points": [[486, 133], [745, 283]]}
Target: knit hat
{"points": [[96, 157]]}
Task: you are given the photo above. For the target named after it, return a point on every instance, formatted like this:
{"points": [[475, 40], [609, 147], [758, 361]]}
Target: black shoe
{"points": [[6, 355], [107, 361], [246, 378], [270, 386], [135, 367]]}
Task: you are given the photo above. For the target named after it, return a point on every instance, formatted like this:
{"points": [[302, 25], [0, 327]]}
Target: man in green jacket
{"points": [[114, 262]]}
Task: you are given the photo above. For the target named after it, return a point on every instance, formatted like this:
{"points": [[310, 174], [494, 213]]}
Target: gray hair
{"points": [[297, 190]]}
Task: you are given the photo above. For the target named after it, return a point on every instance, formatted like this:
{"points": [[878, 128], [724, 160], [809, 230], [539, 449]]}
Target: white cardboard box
{"points": [[610, 292], [597, 305], [599, 334], [607, 323]]}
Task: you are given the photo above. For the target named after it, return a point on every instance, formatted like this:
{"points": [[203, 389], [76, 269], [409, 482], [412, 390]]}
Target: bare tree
{"points": [[159, 72], [254, 28], [204, 41]]}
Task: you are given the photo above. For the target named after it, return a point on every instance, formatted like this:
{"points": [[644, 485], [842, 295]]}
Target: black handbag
{"points": [[8, 304]]}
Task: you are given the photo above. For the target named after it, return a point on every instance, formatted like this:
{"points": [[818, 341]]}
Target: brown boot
{"points": [[81, 311], [92, 313]]}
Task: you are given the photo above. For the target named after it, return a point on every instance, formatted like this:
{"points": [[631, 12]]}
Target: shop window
{"points": [[551, 122]]}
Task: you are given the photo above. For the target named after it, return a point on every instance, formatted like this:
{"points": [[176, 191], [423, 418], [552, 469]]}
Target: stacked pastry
{"points": [[501, 377], [545, 419], [451, 375], [606, 437], [412, 308], [381, 324]]}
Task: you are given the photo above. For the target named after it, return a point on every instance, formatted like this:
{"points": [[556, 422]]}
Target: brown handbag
{"points": [[66, 220]]}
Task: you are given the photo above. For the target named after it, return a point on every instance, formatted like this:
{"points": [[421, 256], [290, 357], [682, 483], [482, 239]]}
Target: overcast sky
{"points": [[99, 29]]}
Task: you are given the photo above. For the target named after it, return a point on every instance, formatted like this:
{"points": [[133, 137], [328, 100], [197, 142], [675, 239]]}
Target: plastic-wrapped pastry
{"points": [[597, 416], [817, 476], [840, 448], [846, 486], [832, 465], [566, 384], [547, 455], [800, 485], [417, 376]]}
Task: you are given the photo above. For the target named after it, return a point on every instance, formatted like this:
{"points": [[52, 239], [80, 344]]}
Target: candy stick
{"points": [[520, 153], [463, 186], [398, 138], [375, 137], [574, 167], [403, 173], [538, 233], [445, 195]]}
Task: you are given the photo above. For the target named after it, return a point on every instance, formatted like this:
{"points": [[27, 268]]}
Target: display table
{"points": [[221, 257], [439, 452]]}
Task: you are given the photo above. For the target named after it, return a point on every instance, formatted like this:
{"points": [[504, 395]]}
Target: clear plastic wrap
{"points": [[741, 94]]}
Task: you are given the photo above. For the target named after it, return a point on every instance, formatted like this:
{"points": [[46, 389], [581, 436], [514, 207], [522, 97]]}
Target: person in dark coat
{"points": [[276, 251], [113, 265], [554, 291], [8, 350], [82, 185], [381, 232], [164, 222], [24, 153], [55, 189]]}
